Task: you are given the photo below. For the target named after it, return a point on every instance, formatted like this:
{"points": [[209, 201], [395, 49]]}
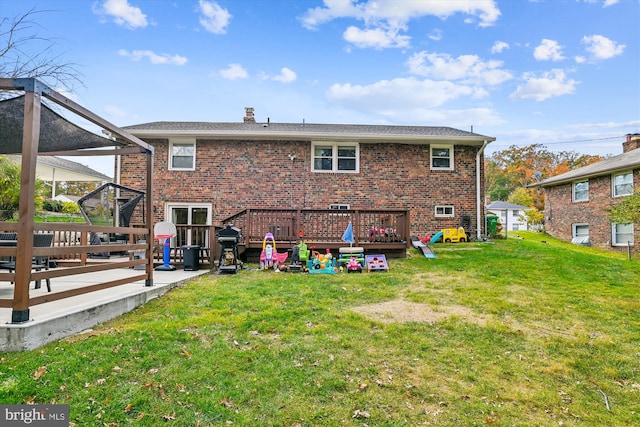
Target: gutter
{"points": [[478, 195]]}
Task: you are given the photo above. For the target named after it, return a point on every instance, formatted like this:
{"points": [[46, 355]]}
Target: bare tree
{"points": [[24, 53]]}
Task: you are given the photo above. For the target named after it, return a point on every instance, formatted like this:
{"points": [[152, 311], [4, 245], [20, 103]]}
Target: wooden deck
{"points": [[380, 231]]}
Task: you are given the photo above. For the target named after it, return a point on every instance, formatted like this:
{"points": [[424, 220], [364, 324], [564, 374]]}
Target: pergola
{"points": [[29, 127]]}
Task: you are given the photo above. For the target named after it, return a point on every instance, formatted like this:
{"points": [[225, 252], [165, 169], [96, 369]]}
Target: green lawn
{"points": [[520, 332]]}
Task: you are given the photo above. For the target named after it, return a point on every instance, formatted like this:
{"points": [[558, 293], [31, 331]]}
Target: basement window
{"points": [[339, 206], [445, 211], [580, 234]]}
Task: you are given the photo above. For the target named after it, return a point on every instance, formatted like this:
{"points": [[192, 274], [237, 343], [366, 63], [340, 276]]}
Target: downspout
{"points": [[478, 195]]}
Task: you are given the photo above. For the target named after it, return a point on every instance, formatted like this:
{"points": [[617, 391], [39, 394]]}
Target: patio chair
{"points": [[40, 262]]}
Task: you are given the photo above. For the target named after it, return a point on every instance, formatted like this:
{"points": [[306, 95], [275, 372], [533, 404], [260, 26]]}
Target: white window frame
{"points": [[168, 210], [335, 146], [577, 193], [582, 238], [614, 186], [181, 142], [340, 206], [441, 211], [615, 234], [432, 157]]}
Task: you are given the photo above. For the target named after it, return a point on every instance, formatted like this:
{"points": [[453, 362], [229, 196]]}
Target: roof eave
{"points": [[551, 182], [315, 136]]}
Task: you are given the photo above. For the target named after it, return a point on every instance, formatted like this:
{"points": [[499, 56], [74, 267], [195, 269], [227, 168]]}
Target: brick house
{"points": [[576, 201], [204, 172]]}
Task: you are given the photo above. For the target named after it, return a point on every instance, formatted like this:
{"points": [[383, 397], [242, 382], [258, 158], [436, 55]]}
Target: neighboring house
{"points": [[67, 198], [510, 215], [205, 172], [576, 201], [53, 169]]}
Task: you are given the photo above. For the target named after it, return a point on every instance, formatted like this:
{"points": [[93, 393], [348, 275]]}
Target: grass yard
{"points": [[520, 332]]}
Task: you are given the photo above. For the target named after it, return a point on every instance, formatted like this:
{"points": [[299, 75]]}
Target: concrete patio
{"points": [[58, 319]]}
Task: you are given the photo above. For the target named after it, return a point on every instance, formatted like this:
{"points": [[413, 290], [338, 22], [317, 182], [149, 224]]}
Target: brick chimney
{"points": [[248, 117], [632, 142]]}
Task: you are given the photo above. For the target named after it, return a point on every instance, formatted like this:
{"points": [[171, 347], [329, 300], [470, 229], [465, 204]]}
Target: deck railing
{"points": [[71, 247], [371, 228], [375, 230]]}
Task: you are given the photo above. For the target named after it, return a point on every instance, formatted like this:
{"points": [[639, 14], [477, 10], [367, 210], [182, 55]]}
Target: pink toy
{"points": [[269, 257], [354, 266]]}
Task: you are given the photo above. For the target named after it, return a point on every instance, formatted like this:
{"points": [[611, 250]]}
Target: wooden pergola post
{"points": [[30, 139]]}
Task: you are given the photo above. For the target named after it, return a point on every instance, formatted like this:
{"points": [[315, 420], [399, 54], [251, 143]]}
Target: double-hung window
{"points": [[623, 184], [342, 157], [581, 191], [182, 154], [441, 157], [622, 234]]}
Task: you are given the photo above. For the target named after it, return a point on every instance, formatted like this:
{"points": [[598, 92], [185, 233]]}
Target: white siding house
{"points": [[510, 215]]}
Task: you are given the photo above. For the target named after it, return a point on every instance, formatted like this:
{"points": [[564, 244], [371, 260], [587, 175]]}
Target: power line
{"points": [[572, 142]]}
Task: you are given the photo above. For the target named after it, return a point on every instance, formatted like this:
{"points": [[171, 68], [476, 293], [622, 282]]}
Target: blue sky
{"points": [[562, 73]]}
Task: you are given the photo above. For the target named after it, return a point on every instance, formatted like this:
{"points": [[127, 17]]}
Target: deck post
{"points": [[27, 210]]}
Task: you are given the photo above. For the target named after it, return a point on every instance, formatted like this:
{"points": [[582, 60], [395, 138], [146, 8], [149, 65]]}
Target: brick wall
{"points": [[235, 175], [561, 213]]}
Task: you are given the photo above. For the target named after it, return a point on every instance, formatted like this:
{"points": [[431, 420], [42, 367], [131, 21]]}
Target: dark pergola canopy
{"points": [[56, 132]]}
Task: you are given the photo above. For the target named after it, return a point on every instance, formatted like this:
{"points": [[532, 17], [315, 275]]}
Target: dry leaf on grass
{"points": [[40, 372]]}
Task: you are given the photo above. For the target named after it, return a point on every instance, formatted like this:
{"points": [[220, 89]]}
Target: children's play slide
{"points": [[436, 237], [426, 250]]}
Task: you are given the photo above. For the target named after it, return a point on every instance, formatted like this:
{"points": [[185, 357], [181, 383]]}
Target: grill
{"points": [[229, 237]]}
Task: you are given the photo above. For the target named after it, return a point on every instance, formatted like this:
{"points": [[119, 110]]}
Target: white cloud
{"points": [[435, 34], [123, 13], [549, 84], [384, 19], [548, 50], [154, 58], [499, 46], [286, 75], [376, 38], [402, 93], [466, 68], [234, 72], [214, 18], [600, 47], [606, 3]]}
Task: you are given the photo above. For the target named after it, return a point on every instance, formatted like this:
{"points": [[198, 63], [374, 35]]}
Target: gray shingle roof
{"points": [[619, 163], [500, 205], [302, 130], [76, 171]]}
